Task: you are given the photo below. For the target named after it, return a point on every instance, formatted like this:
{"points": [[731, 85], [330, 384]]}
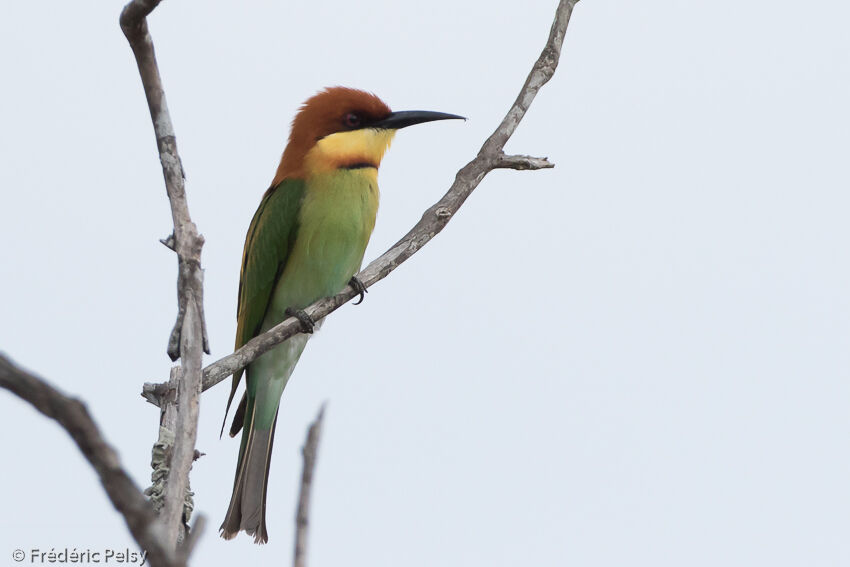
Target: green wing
{"points": [[267, 246]]}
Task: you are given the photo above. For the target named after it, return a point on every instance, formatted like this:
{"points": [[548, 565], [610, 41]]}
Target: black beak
{"points": [[407, 118]]}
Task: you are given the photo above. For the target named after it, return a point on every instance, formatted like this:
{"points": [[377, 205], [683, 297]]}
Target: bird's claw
{"points": [[307, 322], [359, 288]]}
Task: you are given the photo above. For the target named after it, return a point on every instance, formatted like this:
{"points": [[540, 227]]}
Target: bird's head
{"points": [[344, 128]]}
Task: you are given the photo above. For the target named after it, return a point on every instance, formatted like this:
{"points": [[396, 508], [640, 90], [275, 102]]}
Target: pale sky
{"points": [[639, 357]]}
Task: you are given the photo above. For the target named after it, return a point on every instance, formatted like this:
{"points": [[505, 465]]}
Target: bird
{"points": [[306, 241]]}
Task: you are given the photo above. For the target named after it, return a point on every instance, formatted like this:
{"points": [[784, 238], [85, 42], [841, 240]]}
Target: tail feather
{"points": [[247, 510], [236, 377], [239, 416]]}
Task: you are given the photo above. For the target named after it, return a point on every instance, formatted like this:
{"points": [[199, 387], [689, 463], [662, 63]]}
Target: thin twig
{"points": [[523, 162], [188, 339], [302, 515], [490, 157], [72, 415]]}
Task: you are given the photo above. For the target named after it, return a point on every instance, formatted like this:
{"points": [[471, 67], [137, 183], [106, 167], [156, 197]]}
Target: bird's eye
{"points": [[352, 120]]}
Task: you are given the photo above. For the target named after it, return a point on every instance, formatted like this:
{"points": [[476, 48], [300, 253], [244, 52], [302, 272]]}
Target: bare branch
{"points": [[188, 339], [302, 515], [169, 242], [187, 241], [490, 157], [155, 393], [522, 162], [72, 415], [185, 427], [541, 72]]}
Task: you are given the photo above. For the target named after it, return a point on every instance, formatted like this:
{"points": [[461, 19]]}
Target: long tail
{"points": [[247, 510]]}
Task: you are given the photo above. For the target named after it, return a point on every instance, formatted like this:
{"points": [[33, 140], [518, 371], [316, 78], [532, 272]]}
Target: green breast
{"points": [[335, 222]]}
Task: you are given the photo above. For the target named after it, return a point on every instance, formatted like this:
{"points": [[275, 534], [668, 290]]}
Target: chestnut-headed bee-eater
{"points": [[306, 241]]}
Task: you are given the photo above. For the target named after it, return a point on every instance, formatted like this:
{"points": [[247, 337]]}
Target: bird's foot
{"points": [[307, 322], [359, 288]]}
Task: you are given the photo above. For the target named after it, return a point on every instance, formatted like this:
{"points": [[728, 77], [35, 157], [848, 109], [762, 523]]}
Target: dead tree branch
{"points": [[302, 515], [185, 241], [188, 339], [72, 415], [490, 157], [523, 162]]}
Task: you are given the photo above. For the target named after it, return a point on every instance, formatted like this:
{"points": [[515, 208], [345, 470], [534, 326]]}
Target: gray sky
{"points": [[639, 357]]}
